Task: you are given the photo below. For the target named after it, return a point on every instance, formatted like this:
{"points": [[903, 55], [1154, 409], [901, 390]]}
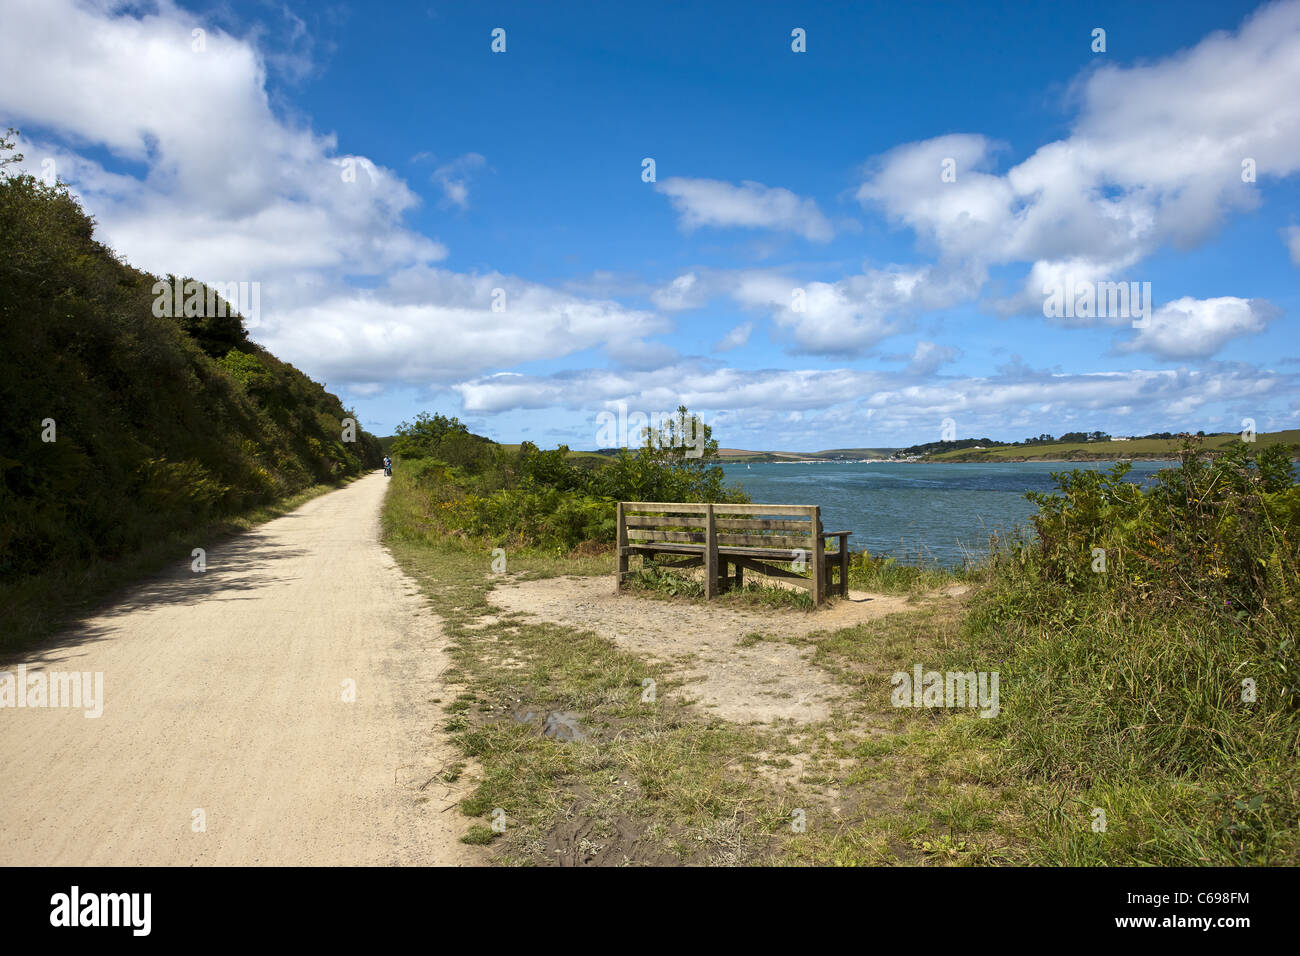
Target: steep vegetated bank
{"points": [[121, 426]]}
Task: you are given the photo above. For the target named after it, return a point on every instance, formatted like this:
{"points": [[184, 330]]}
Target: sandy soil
{"points": [[762, 682], [224, 693]]}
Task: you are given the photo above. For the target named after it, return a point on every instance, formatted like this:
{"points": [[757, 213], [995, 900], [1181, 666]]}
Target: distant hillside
{"points": [[833, 454], [120, 426], [741, 454], [856, 453], [1136, 448]]}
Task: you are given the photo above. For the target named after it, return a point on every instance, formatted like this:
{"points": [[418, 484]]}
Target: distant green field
{"points": [[1107, 450], [741, 456], [572, 454], [755, 458]]}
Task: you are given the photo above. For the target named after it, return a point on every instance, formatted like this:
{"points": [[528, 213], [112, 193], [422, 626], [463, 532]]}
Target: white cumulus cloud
{"points": [[713, 202], [1153, 159], [231, 191], [1197, 328]]}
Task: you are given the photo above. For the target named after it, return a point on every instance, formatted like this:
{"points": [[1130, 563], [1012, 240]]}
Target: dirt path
{"points": [[223, 693], [737, 679]]}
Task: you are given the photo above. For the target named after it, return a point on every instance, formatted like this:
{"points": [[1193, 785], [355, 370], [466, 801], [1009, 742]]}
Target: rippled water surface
{"points": [[914, 511]]}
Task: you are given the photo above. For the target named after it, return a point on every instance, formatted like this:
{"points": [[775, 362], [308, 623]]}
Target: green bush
{"points": [[1219, 535], [528, 497], [1162, 689], [546, 517]]}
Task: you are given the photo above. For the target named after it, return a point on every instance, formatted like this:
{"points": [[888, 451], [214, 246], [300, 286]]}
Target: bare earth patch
{"points": [[766, 681]]}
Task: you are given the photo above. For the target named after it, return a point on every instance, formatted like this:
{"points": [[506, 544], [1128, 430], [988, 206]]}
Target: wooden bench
{"points": [[721, 537]]}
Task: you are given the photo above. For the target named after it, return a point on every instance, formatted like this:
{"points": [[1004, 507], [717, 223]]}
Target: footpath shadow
{"points": [[236, 570]]}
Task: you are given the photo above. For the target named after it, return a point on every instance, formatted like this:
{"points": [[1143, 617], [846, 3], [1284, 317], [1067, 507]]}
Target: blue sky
{"points": [[226, 155]]}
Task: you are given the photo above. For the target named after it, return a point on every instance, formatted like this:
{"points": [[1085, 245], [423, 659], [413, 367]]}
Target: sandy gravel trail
{"points": [[224, 693]]}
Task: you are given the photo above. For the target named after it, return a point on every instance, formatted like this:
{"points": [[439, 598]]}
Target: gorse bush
{"points": [[159, 424], [529, 497], [1217, 535], [545, 516], [444, 439], [1160, 687]]}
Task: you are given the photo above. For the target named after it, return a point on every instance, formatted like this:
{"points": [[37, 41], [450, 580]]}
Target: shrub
{"points": [[533, 498], [1216, 535]]}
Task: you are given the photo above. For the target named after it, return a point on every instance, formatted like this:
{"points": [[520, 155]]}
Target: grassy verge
{"points": [[898, 785], [1123, 738], [1133, 736], [37, 606], [645, 779], [652, 781], [1119, 741], [1122, 734]]}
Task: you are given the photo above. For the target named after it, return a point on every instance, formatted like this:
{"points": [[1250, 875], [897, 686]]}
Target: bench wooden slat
{"points": [[681, 547], [648, 521], [695, 536], [803, 542], [763, 524], [660, 507], [731, 524], [664, 507]]}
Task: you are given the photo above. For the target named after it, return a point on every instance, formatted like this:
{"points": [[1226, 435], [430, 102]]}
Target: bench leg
{"points": [[710, 555], [740, 576], [620, 542], [844, 571]]}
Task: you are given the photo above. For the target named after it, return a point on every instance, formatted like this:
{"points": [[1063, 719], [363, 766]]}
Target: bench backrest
{"points": [[751, 526]]}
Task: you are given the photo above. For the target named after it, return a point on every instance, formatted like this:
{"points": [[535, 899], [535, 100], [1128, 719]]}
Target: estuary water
{"points": [[916, 512]]}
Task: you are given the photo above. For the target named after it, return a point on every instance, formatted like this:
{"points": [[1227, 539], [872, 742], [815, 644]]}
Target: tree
{"points": [[422, 438], [7, 144], [549, 468], [676, 462]]}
